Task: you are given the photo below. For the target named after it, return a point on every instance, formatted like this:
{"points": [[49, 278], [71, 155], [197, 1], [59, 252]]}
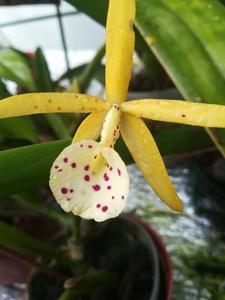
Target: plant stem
{"points": [[57, 125], [90, 70]]}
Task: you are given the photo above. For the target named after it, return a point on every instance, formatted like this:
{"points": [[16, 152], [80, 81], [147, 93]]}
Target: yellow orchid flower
{"points": [[89, 178]]}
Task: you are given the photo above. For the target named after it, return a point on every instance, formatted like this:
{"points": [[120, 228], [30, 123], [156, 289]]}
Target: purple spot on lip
{"points": [[106, 177], [105, 208], [56, 167], [86, 168], [90, 146], [73, 165], [87, 178], [81, 145], [109, 187], [65, 160], [98, 205], [64, 190], [119, 172], [110, 169], [96, 187]]}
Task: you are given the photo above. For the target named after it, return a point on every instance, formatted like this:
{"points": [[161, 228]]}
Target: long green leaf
{"points": [[19, 128], [187, 37], [42, 75], [27, 167], [14, 67], [16, 240]]}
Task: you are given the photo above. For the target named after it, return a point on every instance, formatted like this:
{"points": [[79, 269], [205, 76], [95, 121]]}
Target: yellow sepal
{"points": [[119, 48], [90, 128], [38, 103], [147, 157], [190, 113]]}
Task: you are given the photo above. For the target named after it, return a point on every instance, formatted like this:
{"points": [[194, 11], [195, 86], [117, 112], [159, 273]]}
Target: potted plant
{"points": [[76, 263]]}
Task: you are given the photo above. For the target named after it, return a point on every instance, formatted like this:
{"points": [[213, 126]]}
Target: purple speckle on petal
{"points": [[90, 146], [64, 190], [106, 178], [73, 165], [96, 187], [119, 172], [87, 178], [98, 205], [105, 208], [87, 167], [65, 160], [109, 187]]}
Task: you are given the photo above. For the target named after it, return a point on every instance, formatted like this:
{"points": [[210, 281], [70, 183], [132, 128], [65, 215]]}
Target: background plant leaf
{"points": [[187, 38], [19, 128], [14, 67], [16, 240], [42, 74]]}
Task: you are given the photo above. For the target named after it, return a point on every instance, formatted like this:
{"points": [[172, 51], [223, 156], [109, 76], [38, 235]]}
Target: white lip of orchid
{"points": [[89, 178]]}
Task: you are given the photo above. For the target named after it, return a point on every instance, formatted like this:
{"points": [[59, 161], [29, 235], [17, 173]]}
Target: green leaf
{"points": [[187, 36], [14, 67], [3, 90], [19, 128], [42, 75], [90, 70], [16, 240], [32, 200], [28, 167]]}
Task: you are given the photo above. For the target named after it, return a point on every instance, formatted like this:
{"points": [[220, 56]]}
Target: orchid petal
{"points": [[90, 180], [90, 128], [146, 154], [190, 113], [119, 48], [38, 103]]}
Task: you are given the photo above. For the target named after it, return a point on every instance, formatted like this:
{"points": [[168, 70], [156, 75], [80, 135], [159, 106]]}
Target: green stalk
{"points": [[90, 70], [57, 125]]}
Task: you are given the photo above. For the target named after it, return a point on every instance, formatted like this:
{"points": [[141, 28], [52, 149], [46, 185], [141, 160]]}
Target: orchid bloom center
{"points": [[111, 127]]}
